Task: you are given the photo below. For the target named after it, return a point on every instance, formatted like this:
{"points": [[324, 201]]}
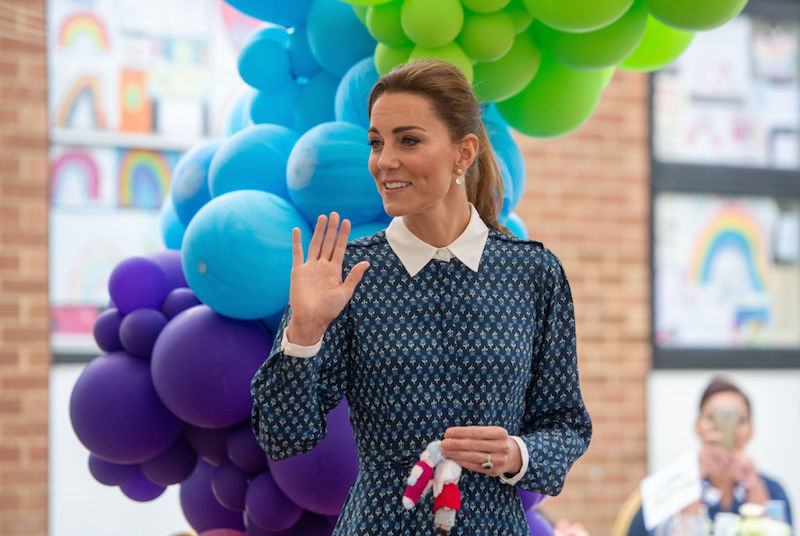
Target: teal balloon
{"points": [[237, 253], [502, 79], [327, 171], [275, 107], [366, 229], [450, 52], [303, 63], [660, 46], [190, 179], [315, 101], [578, 15], [171, 226], [383, 23], [432, 23], [388, 57], [509, 157], [597, 49], [515, 224], [264, 63], [487, 37], [237, 114], [693, 15], [353, 93], [252, 159], [336, 36], [557, 100]]}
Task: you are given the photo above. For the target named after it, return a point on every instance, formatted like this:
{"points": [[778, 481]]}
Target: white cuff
{"points": [[298, 350], [523, 450]]}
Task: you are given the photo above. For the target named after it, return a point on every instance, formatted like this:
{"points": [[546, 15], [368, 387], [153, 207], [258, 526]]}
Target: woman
{"points": [[730, 478], [444, 327]]}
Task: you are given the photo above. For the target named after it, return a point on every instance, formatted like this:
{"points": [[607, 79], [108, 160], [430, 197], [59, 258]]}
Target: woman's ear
{"points": [[467, 151]]}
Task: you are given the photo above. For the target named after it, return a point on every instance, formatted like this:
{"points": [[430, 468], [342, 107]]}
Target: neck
{"points": [[438, 227]]}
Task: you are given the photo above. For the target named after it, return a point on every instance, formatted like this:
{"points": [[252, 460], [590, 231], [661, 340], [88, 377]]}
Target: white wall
{"points": [[672, 400]]}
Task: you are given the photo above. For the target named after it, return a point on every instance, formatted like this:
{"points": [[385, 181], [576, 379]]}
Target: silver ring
{"points": [[488, 463]]}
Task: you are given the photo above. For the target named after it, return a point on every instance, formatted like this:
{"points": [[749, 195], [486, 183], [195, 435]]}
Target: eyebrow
{"points": [[395, 130]]}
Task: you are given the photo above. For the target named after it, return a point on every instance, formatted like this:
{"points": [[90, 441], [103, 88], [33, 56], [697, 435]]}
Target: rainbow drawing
{"points": [[143, 178], [86, 88], [732, 227], [74, 176], [83, 25]]}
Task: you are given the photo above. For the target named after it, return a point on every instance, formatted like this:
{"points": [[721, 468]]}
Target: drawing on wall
{"points": [[83, 26], [143, 177]]}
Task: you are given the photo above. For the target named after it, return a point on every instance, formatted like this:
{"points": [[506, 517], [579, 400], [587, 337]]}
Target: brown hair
{"points": [[454, 103], [721, 385]]}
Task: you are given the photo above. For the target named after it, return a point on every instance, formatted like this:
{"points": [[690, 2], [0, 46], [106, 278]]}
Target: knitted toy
{"points": [[421, 478], [447, 497]]}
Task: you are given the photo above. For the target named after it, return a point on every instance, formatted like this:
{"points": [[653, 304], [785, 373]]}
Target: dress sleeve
{"points": [[556, 427], [292, 395]]}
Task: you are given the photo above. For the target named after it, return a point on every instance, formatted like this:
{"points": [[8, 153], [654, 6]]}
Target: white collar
{"points": [[415, 253]]}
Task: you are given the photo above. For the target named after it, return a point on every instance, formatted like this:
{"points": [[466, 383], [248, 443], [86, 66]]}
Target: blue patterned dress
{"points": [[416, 355]]}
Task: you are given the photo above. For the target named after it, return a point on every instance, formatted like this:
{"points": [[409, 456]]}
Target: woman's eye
{"points": [[374, 143], [408, 140]]}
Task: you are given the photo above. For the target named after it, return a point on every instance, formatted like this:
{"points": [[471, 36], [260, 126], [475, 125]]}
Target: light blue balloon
{"points": [[366, 229], [275, 107], [237, 115], [336, 36], [263, 63], [303, 63], [315, 101], [508, 191], [172, 228], [284, 12], [237, 253], [353, 92], [253, 159], [517, 226], [190, 179], [507, 151], [327, 171]]}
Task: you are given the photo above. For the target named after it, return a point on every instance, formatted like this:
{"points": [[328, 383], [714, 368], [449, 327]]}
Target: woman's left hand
{"points": [[473, 446]]}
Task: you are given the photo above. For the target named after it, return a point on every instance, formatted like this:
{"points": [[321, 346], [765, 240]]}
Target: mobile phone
{"points": [[725, 421]]}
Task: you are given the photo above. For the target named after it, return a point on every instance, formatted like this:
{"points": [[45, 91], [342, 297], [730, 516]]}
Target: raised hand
{"points": [[317, 293]]}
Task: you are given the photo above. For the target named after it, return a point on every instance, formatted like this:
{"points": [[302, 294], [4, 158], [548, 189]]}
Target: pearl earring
{"points": [[459, 176]]}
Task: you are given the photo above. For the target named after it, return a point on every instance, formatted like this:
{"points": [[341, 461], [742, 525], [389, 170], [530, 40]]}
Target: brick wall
{"points": [[24, 350], [587, 199]]}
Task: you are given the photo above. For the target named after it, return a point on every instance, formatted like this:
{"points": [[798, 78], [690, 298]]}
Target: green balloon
{"points": [[383, 23], [598, 49], [388, 57], [484, 6], [487, 37], [557, 100], [579, 15], [432, 23], [451, 53], [659, 47], [361, 12], [504, 78], [695, 15], [366, 2], [520, 15], [608, 74]]}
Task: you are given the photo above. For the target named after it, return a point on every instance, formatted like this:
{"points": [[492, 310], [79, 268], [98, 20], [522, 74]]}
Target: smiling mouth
{"points": [[395, 185]]}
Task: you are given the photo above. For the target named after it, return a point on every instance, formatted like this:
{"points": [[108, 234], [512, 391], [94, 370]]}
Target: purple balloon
{"points": [[319, 480], [110, 473], [171, 466], [139, 330], [209, 443], [170, 262], [177, 301], [140, 489], [539, 525], [106, 330], [200, 507], [268, 507], [137, 282], [116, 412], [310, 524], [203, 363], [244, 450], [229, 484], [530, 498]]}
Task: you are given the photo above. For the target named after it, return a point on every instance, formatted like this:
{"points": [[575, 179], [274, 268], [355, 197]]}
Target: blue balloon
{"points": [[516, 225], [507, 151], [327, 171], [237, 115], [172, 228], [237, 253], [336, 36], [366, 229], [264, 63], [275, 107], [278, 11], [315, 101], [253, 159], [303, 63], [508, 192], [277, 34], [353, 92], [273, 321], [190, 179]]}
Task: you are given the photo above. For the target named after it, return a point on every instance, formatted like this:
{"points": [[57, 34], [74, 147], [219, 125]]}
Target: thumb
{"points": [[355, 275]]}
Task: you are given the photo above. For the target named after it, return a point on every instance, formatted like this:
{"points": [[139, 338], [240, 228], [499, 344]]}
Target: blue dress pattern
{"points": [[416, 355]]}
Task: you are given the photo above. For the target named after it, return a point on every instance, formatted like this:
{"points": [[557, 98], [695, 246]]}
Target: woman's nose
{"points": [[388, 158]]}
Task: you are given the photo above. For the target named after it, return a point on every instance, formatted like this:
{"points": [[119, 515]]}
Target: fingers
{"points": [[476, 432], [354, 277], [316, 238], [341, 243], [330, 237], [297, 248]]}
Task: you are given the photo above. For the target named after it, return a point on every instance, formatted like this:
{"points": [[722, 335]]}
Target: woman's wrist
{"points": [[303, 333]]}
